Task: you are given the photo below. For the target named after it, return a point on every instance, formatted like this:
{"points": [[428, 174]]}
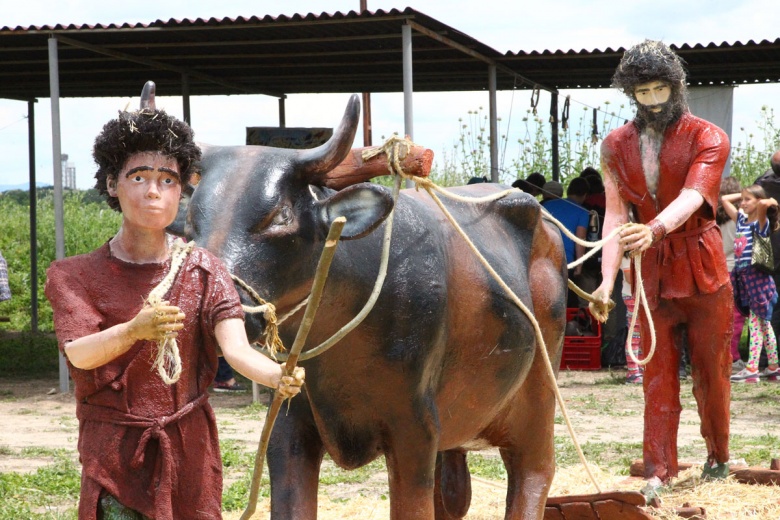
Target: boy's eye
{"points": [[138, 178]]}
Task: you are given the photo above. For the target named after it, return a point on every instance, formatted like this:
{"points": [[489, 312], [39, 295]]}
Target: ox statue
{"points": [[445, 362]]}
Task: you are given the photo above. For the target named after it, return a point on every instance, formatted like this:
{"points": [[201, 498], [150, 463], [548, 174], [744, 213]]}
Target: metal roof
{"points": [[339, 52], [711, 64]]}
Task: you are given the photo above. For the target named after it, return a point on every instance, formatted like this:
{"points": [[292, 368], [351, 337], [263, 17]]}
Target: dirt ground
{"points": [[34, 414]]}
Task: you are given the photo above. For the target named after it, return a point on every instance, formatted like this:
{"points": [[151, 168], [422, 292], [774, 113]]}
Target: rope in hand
{"points": [[167, 361], [639, 288]]}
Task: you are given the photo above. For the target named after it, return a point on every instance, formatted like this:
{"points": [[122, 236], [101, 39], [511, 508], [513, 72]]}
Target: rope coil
{"points": [[167, 361]]}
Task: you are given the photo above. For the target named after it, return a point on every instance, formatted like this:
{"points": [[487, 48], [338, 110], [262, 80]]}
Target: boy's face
{"points": [[148, 189]]}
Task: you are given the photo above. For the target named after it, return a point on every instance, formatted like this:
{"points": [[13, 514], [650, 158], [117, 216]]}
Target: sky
{"points": [[504, 25]]}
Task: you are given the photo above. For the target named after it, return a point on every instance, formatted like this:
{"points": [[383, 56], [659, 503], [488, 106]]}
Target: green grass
{"points": [[53, 489]]}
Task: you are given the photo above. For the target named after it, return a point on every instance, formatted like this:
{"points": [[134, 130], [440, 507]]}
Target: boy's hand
{"points": [[156, 322], [290, 386]]}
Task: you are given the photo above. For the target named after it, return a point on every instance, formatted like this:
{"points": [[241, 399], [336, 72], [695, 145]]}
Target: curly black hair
{"points": [[648, 61], [145, 130]]}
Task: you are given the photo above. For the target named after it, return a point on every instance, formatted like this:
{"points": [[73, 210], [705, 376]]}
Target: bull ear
{"points": [[313, 164], [364, 205]]}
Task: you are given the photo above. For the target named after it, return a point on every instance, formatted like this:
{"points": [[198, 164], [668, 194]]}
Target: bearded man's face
{"points": [[655, 105]]}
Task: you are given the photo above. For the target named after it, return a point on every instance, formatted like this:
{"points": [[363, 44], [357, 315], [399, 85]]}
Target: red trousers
{"points": [[709, 321]]}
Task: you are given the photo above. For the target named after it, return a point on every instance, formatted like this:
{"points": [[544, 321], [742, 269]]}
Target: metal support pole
{"points": [[556, 167], [367, 138], [282, 117], [493, 124], [56, 145], [406, 43], [185, 98], [33, 218]]}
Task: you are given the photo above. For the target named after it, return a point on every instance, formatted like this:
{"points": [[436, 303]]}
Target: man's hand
{"points": [[156, 322], [290, 386], [636, 238], [603, 305]]}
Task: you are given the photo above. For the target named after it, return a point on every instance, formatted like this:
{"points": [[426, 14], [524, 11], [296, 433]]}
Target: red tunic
{"points": [[151, 445], [690, 260]]}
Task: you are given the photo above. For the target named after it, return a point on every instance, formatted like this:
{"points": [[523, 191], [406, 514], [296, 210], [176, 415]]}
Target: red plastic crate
{"points": [[581, 352]]}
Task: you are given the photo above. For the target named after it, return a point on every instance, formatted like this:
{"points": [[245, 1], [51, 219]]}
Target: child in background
{"points": [[755, 293], [728, 229]]}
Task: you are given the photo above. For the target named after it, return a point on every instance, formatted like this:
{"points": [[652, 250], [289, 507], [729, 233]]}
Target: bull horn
{"points": [[317, 162], [147, 96]]}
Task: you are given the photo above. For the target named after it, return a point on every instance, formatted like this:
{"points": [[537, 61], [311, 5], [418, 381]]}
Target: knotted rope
{"points": [[638, 290], [167, 360]]}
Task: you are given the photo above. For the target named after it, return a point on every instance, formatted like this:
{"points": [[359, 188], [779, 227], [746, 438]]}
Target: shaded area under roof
{"points": [[340, 52]]}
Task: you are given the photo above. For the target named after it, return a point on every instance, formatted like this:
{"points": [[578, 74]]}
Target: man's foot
{"points": [[230, 385], [745, 376], [737, 365], [715, 471], [769, 374], [635, 378]]}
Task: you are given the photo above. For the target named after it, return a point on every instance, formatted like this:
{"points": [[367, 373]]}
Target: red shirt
{"points": [[151, 445], [689, 260]]}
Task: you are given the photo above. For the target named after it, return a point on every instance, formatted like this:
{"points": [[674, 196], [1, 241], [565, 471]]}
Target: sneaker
{"points": [[737, 365], [224, 386], [634, 379], [745, 376], [770, 375]]}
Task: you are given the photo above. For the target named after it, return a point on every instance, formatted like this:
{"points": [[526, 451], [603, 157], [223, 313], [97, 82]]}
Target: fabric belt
{"points": [[154, 428], [691, 236]]}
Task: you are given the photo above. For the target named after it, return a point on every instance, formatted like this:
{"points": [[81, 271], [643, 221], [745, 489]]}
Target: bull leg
{"points": [[295, 453], [411, 462], [529, 455]]}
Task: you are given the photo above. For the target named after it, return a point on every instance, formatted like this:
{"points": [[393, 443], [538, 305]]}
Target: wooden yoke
{"points": [[354, 169]]}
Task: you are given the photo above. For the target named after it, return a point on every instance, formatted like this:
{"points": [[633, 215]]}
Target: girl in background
{"points": [[755, 293]]}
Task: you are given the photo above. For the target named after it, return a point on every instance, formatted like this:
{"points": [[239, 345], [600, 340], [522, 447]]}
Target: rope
{"points": [[167, 361], [393, 148], [272, 340], [639, 290]]}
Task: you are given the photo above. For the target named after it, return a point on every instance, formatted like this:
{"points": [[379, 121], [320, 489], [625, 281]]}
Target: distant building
{"points": [[68, 173]]}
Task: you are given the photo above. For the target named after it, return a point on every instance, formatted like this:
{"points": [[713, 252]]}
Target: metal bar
{"points": [[56, 145], [282, 113], [318, 285], [556, 167], [161, 66], [185, 98], [474, 54], [493, 124], [406, 45], [367, 137], [33, 218]]}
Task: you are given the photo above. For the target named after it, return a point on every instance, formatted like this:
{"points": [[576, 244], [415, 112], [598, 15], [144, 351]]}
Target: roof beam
{"points": [[161, 66], [474, 54]]}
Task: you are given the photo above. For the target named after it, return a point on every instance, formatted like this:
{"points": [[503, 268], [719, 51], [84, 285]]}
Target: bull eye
{"points": [[283, 217]]}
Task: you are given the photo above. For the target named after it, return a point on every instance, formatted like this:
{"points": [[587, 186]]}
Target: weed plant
{"points": [[88, 223]]}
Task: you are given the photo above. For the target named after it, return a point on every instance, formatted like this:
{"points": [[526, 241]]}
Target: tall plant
{"points": [[750, 160]]}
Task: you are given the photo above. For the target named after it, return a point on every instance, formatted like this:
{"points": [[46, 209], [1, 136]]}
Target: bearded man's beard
{"points": [[670, 112]]}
